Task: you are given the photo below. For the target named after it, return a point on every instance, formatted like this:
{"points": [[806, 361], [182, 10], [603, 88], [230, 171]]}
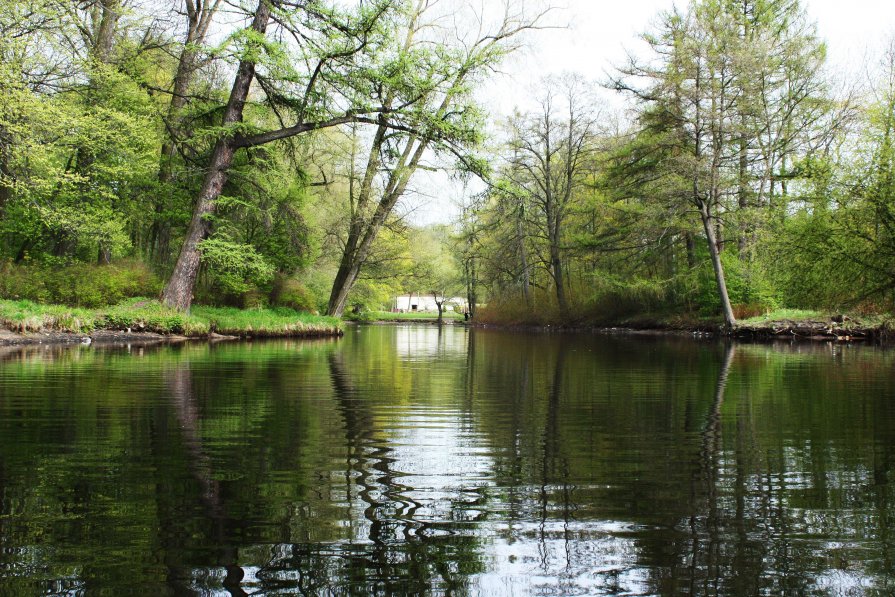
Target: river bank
{"points": [[449, 316], [782, 325], [146, 320]]}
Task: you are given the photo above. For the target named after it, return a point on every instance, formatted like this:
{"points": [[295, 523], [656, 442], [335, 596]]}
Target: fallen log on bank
{"points": [[832, 330]]}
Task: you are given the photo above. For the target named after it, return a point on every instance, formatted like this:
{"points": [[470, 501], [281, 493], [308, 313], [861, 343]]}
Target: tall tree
{"points": [[199, 15], [335, 46], [550, 155], [449, 105], [732, 96], [178, 292]]}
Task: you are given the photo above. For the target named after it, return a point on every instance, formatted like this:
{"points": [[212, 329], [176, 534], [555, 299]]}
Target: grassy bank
{"points": [[388, 316], [145, 315]]}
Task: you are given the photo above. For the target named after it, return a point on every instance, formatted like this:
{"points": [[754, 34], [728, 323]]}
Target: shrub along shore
{"points": [[25, 321]]}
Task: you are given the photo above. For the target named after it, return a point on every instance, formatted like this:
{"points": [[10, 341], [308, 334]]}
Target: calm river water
{"points": [[411, 460]]}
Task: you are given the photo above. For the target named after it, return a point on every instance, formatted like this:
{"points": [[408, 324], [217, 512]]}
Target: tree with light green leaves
{"points": [[730, 102]]}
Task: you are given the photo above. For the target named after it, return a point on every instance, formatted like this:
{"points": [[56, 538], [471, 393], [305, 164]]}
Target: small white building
{"points": [[426, 303]]}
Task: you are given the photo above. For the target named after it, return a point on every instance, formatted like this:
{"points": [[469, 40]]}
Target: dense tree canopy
{"points": [[259, 153]]}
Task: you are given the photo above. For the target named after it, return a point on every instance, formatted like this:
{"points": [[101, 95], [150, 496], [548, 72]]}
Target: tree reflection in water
{"points": [[452, 461], [188, 416]]}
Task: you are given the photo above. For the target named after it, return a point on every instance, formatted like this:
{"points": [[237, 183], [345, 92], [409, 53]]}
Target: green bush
{"points": [[748, 287], [811, 268], [252, 299], [370, 295], [289, 292], [78, 284], [511, 309], [614, 299], [234, 268]]}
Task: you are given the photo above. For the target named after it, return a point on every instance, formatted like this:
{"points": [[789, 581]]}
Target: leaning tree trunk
{"points": [[199, 17], [342, 285], [349, 264], [358, 247], [352, 261], [178, 293], [726, 308]]}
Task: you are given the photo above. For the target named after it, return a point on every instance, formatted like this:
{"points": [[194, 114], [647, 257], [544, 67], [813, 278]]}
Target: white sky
{"points": [[599, 32]]}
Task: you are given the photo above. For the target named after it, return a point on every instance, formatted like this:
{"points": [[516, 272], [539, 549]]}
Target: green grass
{"points": [[852, 321], [264, 322], [786, 315], [146, 315], [26, 316]]}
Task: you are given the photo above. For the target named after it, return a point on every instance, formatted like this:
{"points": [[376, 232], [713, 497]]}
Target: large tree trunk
{"points": [[199, 17], [523, 260], [345, 279], [349, 264], [559, 279], [352, 260], [355, 254], [104, 35], [178, 293], [726, 308], [556, 266]]}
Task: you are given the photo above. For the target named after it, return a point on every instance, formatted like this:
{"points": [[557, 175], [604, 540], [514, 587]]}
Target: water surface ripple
{"points": [[406, 460]]}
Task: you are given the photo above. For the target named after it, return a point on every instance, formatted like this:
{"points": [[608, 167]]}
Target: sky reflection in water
{"points": [[407, 460]]}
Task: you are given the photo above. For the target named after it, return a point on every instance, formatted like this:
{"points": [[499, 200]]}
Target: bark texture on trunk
{"points": [[726, 308], [106, 26], [178, 293], [523, 261], [559, 278], [199, 17], [357, 251]]}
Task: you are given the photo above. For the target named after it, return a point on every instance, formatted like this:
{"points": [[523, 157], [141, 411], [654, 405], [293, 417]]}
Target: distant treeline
{"points": [[748, 179]]}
